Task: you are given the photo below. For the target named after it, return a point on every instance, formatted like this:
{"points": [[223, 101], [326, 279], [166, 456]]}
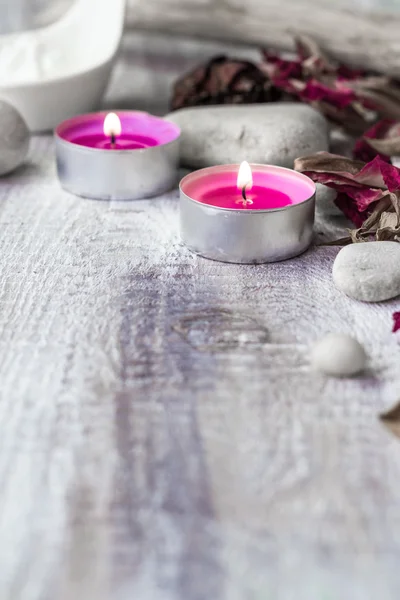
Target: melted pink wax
{"points": [[139, 130], [273, 188], [123, 142], [261, 198]]}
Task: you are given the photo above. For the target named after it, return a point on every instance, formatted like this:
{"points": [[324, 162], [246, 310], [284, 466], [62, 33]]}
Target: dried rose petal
{"points": [[396, 322], [374, 142], [313, 78], [281, 70], [390, 174], [331, 168], [223, 81], [315, 91], [308, 77], [350, 210], [383, 139], [365, 192]]}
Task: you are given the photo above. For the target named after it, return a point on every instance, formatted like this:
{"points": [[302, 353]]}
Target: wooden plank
{"points": [[161, 434], [355, 32]]}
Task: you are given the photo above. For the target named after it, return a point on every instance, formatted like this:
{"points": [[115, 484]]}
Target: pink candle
{"points": [[125, 130], [266, 187], [127, 155], [247, 213]]}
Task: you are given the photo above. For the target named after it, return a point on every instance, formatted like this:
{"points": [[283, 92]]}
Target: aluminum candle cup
{"points": [[133, 155], [269, 218]]}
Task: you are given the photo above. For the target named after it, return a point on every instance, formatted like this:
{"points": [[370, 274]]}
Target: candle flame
{"points": [[245, 176], [112, 125]]}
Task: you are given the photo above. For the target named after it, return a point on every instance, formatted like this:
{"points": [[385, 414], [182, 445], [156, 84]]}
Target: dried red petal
{"points": [[362, 197], [328, 86], [348, 73], [341, 171], [350, 210], [359, 186], [282, 69], [396, 322], [363, 150], [317, 91], [390, 174]]}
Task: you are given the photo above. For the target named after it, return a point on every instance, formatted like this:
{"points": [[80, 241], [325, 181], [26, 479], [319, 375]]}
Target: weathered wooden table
{"points": [[162, 436]]}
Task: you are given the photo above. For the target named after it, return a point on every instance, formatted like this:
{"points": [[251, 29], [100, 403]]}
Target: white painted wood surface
{"points": [[365, 34], [162, 437]]}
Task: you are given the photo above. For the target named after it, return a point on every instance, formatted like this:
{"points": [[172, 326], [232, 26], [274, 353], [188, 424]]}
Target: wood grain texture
{"points": [[162, 436], [358, 33]]}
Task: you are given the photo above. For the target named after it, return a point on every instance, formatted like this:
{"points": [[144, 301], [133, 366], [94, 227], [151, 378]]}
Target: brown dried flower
{"points": [[368, 193]]}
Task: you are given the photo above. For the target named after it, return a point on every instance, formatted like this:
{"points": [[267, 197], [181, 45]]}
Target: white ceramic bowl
{"points": [[62, 70]]}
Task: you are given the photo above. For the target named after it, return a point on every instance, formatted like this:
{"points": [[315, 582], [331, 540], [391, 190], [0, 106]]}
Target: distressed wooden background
{"points": [[360, 32], [161, 434]]}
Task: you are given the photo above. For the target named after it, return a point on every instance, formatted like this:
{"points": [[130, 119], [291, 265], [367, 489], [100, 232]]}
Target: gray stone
{"points": [[14, 138], [260, 133], [339, 355], [325, 201], [368, 271]]}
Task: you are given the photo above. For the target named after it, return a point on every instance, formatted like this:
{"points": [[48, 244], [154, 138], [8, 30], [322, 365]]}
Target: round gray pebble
{"points": [[339, 355], [274, 134], [368, 271], [14, 138]]}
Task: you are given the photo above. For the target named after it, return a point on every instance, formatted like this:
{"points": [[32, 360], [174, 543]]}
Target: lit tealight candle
{"points": [[247, 213], [124, 155]]}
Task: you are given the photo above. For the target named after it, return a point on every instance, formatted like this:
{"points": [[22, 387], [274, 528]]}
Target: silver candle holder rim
{"points": [[254, 211]]}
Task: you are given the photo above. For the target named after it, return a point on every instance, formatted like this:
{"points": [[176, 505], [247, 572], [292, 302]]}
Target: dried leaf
{"points": [[371, 224], [396, 322], [323, 162], [391, 419], [389, 219]]}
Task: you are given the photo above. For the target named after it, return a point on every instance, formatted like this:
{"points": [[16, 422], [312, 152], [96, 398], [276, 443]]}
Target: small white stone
{"points": [[368, 271], [275, 134], [339, 355], [14, 138]]}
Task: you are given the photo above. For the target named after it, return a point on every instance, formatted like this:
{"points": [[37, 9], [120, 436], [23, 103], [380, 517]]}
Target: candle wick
{"points": [[244, 200], [112, 139]]}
